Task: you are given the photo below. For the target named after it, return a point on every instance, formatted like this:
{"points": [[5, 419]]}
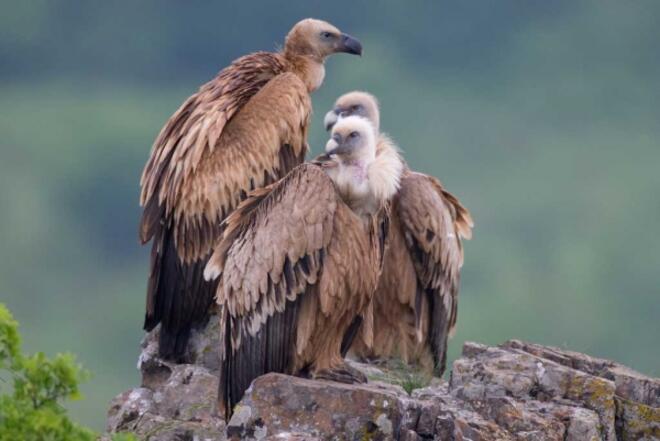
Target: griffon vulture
{"points": [[298, 262], [414, 310], [244, 129]]}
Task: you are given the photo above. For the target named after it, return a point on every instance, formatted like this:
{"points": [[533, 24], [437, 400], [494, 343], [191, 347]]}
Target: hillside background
{"points": [[543, 117]]}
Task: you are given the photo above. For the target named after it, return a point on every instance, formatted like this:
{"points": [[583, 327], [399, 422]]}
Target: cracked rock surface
{"points": [[515, 391]]}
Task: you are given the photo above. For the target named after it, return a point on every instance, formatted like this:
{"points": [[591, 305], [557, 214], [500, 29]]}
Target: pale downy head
{"points": [[354, 103], [364, 179], [386, 169], [318, 39], [352, 140]]}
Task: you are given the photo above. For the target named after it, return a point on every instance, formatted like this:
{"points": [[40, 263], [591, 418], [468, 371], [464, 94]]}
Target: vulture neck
{"points": [[310, 70], [386, 169], [367, 183]]}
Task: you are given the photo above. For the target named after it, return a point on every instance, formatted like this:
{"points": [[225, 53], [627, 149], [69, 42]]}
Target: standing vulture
{"points": [[414, 309], [299, 261], [244, 129]]}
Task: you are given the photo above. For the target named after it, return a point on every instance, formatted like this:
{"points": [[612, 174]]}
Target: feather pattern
{"points": [[433, 223], [295, 266], [415, 305], [414, 308], [244, 129]]}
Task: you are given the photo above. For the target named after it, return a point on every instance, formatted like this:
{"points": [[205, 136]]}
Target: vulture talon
{"points": [[376, 361], [343, 374]]}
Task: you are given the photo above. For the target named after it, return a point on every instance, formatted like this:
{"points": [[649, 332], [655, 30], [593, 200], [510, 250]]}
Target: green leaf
{"points": [[32, 410]]}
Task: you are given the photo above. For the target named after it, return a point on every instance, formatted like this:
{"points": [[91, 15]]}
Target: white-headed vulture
{"points": [[415, 305]]}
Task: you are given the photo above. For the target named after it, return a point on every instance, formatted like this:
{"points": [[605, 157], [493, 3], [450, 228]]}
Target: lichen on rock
{"points": [[515, 391]]}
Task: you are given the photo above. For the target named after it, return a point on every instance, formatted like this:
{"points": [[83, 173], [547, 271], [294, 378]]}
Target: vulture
{"points": [[415, 304], [244, 129], [298, 262]]}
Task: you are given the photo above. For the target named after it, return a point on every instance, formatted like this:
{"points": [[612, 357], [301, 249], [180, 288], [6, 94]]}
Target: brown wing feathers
{"points": [[433, 222], [271, 252], [199, 122], [242, 130]]}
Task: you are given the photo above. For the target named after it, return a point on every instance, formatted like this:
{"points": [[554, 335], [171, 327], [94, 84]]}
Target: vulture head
{"points": [[319, 39], [354, 103], [352, 141], [364, 178]]}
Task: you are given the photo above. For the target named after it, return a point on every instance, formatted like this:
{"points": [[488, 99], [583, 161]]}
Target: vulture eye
{"points": [[326, 35], [356, 107], [353, 135]]}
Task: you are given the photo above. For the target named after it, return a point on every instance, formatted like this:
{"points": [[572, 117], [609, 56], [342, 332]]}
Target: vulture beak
{"points": [[339, 150], [333, 147], [331, 118], [349, 45]]}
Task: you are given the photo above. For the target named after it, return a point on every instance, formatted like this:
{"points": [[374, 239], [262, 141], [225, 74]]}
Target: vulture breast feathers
{"points": [[296, 266], [242, 130]]}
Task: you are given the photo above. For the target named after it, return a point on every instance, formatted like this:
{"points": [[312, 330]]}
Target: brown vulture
{"points": [[298, 262], [414, 310], [244, 129]]}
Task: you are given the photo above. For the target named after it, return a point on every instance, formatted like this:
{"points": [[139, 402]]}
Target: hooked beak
{"points": [[339, 150], [349, 45], [334, 148], [331, 119]]}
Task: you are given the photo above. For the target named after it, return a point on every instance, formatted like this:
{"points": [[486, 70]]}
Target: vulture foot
{"points": [[376, 361], [342, 374]]}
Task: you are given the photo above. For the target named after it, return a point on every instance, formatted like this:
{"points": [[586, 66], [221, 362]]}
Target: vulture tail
{"points": [[350, 335], [439, 331], [178, 297], [270, 350]]}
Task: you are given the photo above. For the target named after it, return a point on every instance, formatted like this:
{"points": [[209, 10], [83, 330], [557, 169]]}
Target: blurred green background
{"points": [[543, 117]]}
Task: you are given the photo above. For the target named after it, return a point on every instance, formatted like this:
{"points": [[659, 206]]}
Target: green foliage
{"points": [[31, 409], [9, 339]]}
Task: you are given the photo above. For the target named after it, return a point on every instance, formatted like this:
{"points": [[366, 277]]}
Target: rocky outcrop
{"points": [[515, 391], [175, 401]]}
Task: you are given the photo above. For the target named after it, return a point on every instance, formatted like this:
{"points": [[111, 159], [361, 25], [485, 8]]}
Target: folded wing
{"points": [[433, 223], [242, 130], [271, 253]]}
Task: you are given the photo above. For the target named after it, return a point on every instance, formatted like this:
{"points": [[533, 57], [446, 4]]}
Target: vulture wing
{"points": [[433, 223], [242, 130], [271, 252]]}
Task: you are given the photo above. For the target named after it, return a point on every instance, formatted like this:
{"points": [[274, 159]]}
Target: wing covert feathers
{"points": [[273, 248], [197, 125], [295, 267], [271, 252]]}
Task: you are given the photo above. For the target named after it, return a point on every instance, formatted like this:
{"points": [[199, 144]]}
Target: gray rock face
{"points": [[176, 402], [515, 391]]}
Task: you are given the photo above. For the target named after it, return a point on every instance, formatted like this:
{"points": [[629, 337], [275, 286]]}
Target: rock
{"points": [[498, 372], [279, 405], [629, 384], [515, 391], [176, 401], [127, 408], [637, 397], [202, 348]]}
